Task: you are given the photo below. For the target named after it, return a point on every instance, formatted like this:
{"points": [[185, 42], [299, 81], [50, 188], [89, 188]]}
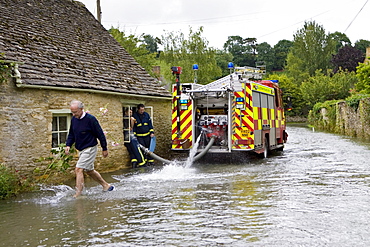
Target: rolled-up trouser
{"points": [[87, 158]]}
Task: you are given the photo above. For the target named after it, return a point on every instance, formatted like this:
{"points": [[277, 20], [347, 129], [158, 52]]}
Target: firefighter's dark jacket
{"points": [[143, 125]]}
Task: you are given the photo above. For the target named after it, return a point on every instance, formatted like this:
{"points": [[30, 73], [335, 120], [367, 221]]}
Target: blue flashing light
{"points": [[195, 67], [276, 81], [183, 101], [230, 65], [239, 99]]}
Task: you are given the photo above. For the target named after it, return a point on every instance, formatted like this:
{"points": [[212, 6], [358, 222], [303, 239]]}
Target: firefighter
{"points": [[143, 129], [136, 155]]}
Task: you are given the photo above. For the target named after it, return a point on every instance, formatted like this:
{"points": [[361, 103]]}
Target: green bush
{"points": [[9, 182], [315, 117], [58, 162], [354, 100]]}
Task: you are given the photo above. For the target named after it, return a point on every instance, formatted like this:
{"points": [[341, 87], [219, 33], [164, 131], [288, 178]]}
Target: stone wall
{"points": [[347, 120], [26, 124]]}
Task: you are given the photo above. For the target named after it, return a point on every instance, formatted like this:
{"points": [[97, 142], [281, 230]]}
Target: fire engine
{"points": [[239, 112]]}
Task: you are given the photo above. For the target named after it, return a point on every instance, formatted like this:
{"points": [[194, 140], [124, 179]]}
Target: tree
{"points": [[292, 96], [151, 43], [363, 75], [179, 51], [320, 87], [223, 58], [243, 50], [312, 50], [348, 58], [281, 50], [362, 45], [134, 46], [265, 55], [341, 40]]}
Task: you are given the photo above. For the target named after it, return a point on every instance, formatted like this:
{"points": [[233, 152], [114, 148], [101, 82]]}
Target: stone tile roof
{"points": [[59, 43]]}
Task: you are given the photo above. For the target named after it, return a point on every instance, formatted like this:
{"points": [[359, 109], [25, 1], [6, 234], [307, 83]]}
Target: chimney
{"points": [[98, 10], [367, 56]]}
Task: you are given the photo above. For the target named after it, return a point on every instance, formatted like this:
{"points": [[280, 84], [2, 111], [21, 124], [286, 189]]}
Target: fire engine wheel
{"points": [[266, 147]]}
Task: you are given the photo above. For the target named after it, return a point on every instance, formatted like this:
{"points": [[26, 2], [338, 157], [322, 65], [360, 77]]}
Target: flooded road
{"points": [[315, 193]]}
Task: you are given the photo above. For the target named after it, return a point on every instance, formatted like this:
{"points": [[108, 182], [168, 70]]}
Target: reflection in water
{"points": [[315, 193]]}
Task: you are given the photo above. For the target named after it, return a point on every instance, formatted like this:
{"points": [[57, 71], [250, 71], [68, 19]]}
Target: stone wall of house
{"points": [[26, 124], [347, 120]]}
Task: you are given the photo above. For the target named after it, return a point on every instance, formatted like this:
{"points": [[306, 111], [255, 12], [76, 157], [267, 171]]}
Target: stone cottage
{"points": [[57, 52]]}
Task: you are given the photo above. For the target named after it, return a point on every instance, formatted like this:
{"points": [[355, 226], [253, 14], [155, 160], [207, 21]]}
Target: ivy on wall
{"points": [[5, 69]]}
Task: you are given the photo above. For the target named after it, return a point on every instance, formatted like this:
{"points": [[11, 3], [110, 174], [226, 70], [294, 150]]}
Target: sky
{"points": [[267, 20]]}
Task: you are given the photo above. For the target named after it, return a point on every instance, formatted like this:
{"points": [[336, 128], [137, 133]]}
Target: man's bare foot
{"points": [[77, 195], [108, 188]]}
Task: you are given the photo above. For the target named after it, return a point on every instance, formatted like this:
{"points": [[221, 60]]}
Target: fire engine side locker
{"points": [[263, 114], [182, 131], [242, 119]]}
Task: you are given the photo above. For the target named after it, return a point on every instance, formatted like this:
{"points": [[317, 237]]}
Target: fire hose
{"points": [[166, 161]]}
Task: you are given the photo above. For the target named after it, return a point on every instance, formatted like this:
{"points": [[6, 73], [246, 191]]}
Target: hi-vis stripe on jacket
{"points": [[143, 125]]}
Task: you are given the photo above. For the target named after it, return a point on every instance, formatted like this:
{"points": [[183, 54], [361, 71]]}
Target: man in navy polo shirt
{"points": [[84, 132]]}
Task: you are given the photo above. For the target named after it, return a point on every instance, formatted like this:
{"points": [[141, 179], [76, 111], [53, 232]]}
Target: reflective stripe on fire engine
{"points": [[184, 134], [242, 122]]}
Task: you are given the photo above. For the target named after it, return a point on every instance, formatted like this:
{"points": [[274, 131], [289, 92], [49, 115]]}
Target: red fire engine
{"points": [[239, 112]]}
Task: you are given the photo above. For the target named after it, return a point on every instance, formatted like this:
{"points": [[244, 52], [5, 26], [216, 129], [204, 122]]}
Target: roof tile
{"points": [[60, 43]]}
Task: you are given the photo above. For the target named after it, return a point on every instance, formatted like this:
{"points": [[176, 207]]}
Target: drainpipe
{"points": [[17, 74]]}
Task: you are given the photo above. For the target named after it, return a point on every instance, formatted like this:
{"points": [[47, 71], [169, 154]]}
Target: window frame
{"points": [[60, 113], [133, 107]]}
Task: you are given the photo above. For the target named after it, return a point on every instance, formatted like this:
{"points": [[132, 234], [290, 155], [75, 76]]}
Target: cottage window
{"points": [[127, 123], [60, 126], [126, 120]]}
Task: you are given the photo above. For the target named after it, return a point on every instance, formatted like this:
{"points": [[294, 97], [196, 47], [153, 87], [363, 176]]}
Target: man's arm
{"points": [[151, 129], [100, 134], [70, 139]]}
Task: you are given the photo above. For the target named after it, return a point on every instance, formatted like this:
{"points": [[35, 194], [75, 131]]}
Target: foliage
{"points": [[184, 52], [312, 50], [136, 48], [265, 55], [354, 100], [9, 182], [58, 162], [151, 43], [292, 97], [243, 50], [222, 59], [318, 119], [281, 50], [5, 69], [294, 68], [341, 40], [347, 58], [363, 75], [362, 44], [320, 88]]}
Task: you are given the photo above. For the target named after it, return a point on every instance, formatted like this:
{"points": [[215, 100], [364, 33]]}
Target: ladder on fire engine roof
{"points": [[231, 82]]}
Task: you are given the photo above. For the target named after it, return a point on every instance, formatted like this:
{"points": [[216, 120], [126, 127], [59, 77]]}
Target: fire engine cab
{"points": [[239, 112]]}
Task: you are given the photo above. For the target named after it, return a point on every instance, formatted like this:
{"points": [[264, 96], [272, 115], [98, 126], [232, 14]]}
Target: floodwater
{"points": [[314, 193]]}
